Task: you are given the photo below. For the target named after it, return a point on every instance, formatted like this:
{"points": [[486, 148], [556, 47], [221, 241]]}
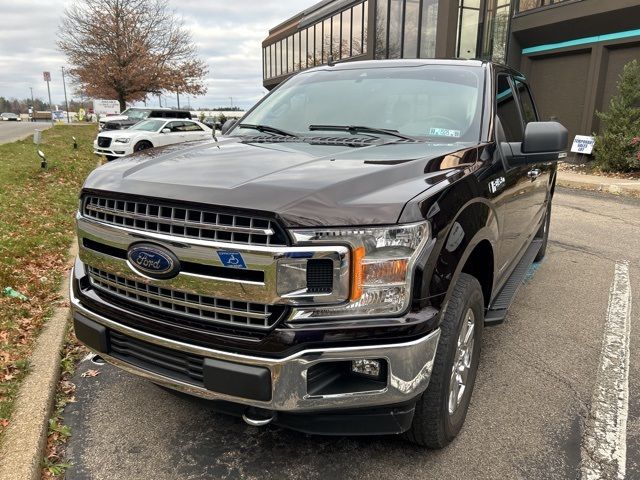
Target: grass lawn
{"points": [[37, 208]]}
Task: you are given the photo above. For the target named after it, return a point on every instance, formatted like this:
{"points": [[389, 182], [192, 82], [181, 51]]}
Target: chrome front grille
{"points": [[187, 305], [184, 222]]}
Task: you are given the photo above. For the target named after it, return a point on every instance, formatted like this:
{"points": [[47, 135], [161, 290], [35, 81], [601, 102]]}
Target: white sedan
{"points": [[154, 132]]}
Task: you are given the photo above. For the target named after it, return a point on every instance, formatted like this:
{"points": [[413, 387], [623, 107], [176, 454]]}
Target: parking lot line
{"points": [[604, 445]]}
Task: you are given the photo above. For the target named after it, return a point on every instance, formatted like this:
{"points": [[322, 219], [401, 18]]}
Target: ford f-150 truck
{"points": [[329, 263]]}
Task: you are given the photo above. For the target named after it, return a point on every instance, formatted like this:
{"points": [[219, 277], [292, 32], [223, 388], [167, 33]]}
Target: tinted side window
{"points": [[175, 126], [191, 127], [526, 102], [507, 110]]}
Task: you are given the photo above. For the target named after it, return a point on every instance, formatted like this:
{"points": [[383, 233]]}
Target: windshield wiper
{"points": [[267, 129], [361, 129]]}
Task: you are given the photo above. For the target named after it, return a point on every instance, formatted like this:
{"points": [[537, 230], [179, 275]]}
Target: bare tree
{"points": [[129, 49]]}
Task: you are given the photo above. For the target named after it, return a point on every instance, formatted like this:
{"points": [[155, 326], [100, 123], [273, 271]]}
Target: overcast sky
{"points": [[228, 34]]}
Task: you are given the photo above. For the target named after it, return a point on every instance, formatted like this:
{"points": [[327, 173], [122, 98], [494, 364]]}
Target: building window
{"points": [[343, 35], [296, 52], [365, 26], [468, 23], [345, 39], [496, 27], [382, 15], [406, 28], [303, 49], [318, 50], [428, 28], [411, 26], [396, 15], [335, 36], [524, 5]]}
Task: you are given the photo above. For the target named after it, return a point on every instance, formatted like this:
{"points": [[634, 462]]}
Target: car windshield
{"points": [[149, 125], [433, 102], [136, 113]]}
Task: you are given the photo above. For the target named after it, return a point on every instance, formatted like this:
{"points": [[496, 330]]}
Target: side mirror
{"points": [[228, 125], [545, 137], [165, 130]]}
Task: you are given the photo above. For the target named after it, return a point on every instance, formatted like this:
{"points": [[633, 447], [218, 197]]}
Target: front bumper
{"points": [[113, 150], [409, 367]]}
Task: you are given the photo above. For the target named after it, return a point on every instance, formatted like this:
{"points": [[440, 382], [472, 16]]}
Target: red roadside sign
{"points": [[47, 76]]}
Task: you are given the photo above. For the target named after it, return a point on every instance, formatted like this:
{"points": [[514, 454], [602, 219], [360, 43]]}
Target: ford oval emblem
{"points": [[153, 261]]}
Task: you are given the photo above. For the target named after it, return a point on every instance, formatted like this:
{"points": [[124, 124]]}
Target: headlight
{"points": [[122, 140], [382, 260]]}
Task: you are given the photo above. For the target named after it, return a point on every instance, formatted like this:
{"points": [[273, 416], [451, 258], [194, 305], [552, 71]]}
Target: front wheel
{"points": [[143, 145], [442, 409]]}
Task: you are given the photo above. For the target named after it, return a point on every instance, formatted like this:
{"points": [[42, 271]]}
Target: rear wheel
{"points": [[142, 145], [442, 409], [543, 233]]}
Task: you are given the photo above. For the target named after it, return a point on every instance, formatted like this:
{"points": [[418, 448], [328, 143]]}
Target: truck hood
{"points": [[303, 184]]}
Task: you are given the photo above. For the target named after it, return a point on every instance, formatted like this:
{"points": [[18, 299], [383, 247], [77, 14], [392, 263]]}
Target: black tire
{"points": [[433, 425], [543, 233], [110, 157], [142, 145]]}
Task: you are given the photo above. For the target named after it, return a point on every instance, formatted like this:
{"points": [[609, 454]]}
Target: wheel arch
{"points": [[467, 245]]}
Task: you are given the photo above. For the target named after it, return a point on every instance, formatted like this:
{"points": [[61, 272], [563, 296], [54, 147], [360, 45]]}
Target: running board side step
{"points": [[497, 311]]}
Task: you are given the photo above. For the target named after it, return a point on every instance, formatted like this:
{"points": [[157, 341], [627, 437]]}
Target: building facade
{"points": [[572, 51]]}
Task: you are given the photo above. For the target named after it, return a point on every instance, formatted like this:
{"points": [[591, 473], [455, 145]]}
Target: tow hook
{"points": [[258, 418]]}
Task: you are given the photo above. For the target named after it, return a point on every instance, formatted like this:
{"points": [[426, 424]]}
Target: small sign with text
{"points": [[583, 144]]}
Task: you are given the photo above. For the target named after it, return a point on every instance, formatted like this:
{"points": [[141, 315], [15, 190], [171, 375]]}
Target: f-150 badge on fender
{"points": [[496, 184]]}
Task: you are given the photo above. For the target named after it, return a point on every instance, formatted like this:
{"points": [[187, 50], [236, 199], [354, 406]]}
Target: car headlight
{"points": [[382, 261], [122, 140]]}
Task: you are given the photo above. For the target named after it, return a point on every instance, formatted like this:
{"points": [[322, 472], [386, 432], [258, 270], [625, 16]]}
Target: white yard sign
{"points": [[583, 144], [106, 107]]}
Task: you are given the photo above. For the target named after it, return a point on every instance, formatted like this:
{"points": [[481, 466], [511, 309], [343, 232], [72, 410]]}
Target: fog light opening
{"points": [[367, 368]]}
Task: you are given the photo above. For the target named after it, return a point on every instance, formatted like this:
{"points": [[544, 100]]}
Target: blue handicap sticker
{"points": [[232, 259]]}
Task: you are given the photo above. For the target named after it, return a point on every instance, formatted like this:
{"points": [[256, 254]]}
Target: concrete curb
{"points": [[24, 440], [630, 189]]}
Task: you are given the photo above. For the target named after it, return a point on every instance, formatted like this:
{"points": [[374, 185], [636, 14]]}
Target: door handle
{"points": [[533, 174]]}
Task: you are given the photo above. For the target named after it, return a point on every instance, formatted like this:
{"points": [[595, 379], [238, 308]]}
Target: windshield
{"points": [[440, 103], [149, 125], [136, 113]]}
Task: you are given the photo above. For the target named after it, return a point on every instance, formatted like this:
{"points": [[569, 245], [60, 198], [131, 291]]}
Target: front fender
{"points": [[454, 241]]}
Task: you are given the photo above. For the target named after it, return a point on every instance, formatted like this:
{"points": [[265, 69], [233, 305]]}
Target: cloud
{"points": [[228, 35]]}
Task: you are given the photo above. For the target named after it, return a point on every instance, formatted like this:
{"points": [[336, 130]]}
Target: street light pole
{"points": [[66, 104], [53, 122], [33, 106], [178, 97]]}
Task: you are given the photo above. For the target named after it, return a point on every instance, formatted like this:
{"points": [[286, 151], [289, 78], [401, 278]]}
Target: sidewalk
{"points": [[616, 186]]}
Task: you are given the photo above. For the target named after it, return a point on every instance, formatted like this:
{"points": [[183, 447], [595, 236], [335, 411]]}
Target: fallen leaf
{"points": [[90, 373]]}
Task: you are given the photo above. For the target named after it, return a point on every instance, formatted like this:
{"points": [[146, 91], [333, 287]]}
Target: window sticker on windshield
{"points": [[444, 132]]}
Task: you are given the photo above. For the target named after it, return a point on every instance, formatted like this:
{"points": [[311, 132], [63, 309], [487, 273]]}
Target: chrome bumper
{"points": [[409, 370]]}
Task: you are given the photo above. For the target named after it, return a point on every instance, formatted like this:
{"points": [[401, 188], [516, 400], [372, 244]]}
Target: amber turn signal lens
{"points": [[357, 273]]}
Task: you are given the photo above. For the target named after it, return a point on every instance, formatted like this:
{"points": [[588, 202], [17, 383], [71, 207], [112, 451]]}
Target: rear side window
{"points": [[507, 111], [191, 127], [175, 126], [526, 102]]}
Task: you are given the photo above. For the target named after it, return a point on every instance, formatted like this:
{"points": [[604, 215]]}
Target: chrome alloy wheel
{"points": [[462, 362]]}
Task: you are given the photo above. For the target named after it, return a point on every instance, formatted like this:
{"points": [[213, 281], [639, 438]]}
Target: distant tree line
{"points": [[16, 105], [222, 109]]}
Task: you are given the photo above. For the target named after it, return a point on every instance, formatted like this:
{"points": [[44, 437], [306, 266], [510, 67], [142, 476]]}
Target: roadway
{"points": [[537, 401], [12, 131]]}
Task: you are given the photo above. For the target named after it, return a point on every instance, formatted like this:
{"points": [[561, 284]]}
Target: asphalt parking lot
{"points": [[528, 417], [12, 131]]}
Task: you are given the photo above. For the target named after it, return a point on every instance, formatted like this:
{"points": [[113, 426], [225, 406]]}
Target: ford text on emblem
{"points": [[153, 261]]}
